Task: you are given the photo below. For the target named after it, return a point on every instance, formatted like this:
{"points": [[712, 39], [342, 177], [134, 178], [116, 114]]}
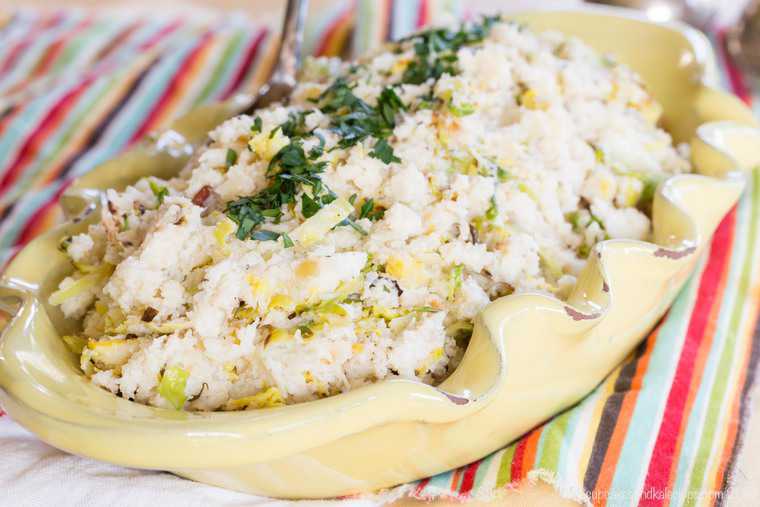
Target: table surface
{"points": [[746, 480]]}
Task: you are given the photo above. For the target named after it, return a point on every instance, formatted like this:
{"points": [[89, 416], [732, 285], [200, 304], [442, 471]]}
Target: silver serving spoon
{"points": [[282, 81]]}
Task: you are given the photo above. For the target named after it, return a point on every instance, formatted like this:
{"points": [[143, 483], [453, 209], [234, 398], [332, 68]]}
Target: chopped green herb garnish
{"points": [[319, 149], [501, 174], [366, 208], [388, 105], [358, 228], [309, 206], [257, 125], [436, 50], [272, 213], [295, 125], [265, 235], [231, 158], [287, 242], [159, 191], [384, 152], [352, 119], [288, 170]]}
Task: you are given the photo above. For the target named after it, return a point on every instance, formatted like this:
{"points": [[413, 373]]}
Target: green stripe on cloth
{"points": [[727, 361]]}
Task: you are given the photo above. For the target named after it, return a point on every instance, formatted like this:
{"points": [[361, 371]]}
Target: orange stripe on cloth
{"points": [[333, 42], [607, 471], [174, 92]]}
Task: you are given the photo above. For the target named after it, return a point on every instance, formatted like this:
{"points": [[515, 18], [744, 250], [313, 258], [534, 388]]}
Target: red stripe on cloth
{"points": [[57, 46], [35, 140], [663, 453], [420, 487], [45, 23], [468, 481], [516, 474], [245, 64], [174, 86], [735, 75], [423, 14], [166, 30]]}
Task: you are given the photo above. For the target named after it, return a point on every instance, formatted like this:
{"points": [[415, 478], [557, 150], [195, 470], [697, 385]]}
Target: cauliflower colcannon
{"points": [[354, 234]]}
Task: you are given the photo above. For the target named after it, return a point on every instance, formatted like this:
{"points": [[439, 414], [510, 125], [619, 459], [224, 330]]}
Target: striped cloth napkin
{"points": [[76, 89]]}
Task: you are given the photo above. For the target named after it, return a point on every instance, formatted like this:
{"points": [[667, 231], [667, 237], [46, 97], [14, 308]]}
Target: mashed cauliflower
{"points": [[353, 234]]}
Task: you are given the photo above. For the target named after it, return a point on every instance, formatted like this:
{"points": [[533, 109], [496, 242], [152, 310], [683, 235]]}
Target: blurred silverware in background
{"points": [[283, 79], [740, 18], [695, 12], [743, 39]]}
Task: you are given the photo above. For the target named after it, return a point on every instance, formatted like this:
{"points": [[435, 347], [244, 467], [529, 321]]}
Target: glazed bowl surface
{"points": [[530, 355]]}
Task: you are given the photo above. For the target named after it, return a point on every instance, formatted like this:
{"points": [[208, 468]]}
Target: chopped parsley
{"points": [[350, 221], [288, 170], [294, 126], [231, 158], [310, 206], [353, 120], [257, 125], [436, 50], [265, 235], [384, 152], [368, 210], [159, 191]]}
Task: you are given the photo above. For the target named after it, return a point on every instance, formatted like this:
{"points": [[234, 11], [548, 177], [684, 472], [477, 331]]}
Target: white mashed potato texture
{"points": [[353, 234]]}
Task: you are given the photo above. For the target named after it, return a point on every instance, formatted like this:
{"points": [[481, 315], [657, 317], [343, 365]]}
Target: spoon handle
{"points": [[289, 58]]}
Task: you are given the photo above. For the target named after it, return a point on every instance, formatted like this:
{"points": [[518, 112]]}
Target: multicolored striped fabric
{"points": [[77, 89], [663, 428]]}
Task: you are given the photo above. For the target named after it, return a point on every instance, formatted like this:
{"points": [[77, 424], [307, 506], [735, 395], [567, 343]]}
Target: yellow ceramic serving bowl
{"points": [[530, 355]]}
